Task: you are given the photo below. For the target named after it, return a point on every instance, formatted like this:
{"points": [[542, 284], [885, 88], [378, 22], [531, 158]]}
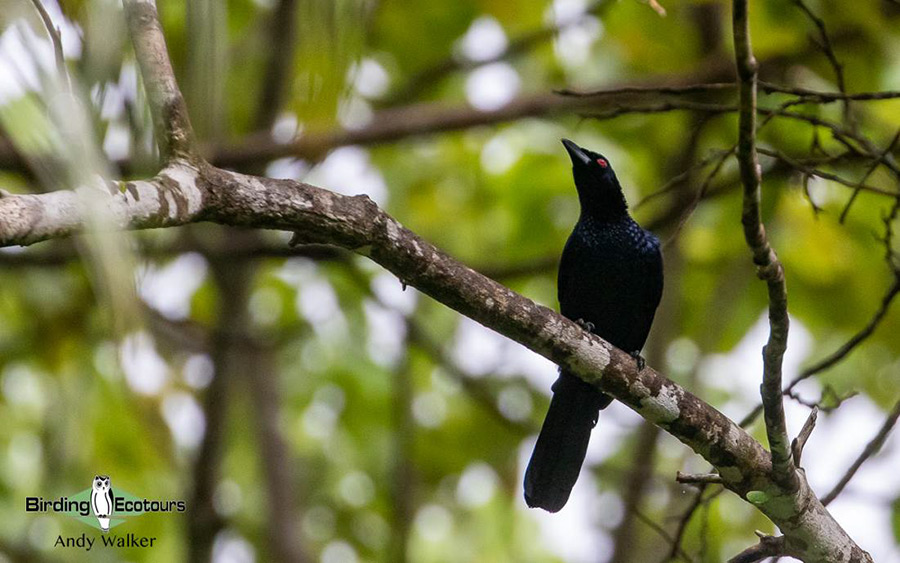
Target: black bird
{"points": [[610, 281]]}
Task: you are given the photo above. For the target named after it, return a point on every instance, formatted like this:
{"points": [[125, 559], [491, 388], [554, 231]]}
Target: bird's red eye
{"points": [[602, 162]]}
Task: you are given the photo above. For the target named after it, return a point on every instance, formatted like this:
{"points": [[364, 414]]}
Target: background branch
{"points": [[871, 449], [433, 74], [55, 39], [171, 124], [854, 341]]}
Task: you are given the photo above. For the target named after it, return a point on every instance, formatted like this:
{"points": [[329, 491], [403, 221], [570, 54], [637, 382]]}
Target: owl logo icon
{"points": [[102, 500]]}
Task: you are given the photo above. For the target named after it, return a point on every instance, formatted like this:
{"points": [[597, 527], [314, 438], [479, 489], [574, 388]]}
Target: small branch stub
{"points": [[800, 441], [699, 478]]}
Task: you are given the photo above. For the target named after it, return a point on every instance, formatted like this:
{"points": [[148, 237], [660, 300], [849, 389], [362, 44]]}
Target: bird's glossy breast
{"points": [[608, 274]]}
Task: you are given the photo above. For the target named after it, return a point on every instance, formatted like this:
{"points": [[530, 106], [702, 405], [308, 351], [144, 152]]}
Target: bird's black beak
{"points": [[576, 153]]}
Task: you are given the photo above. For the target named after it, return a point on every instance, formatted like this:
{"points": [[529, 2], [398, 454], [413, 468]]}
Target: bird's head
{"points": [[598, 188]]}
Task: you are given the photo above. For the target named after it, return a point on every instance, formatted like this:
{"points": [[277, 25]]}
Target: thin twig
{"points": [[825, 44], [866, 148], [819, 173], [817, 96], [827, 48], [769, 268], [686, 517], [56, 40], [698, 197], [890, 256], [828, 401], [855, 341], [666, 536], [649, 90], [621, 109], [715, 156], [751, 416], [633, 489], [871, 449], [872, 167], [807, 95]]}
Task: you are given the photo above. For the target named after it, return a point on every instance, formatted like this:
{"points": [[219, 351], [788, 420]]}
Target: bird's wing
{"points": [[567, 264], [651, 287], [656, 276]]}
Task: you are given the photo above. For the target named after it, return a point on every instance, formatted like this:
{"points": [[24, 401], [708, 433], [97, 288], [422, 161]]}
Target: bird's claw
{"points": [[638, 360], [586, 325]]}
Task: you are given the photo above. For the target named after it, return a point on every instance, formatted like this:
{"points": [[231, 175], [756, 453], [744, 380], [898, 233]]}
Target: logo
{"points": [[103, 508]]}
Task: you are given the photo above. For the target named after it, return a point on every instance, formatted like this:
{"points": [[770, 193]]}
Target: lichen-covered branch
{"points": [[171, 198], [768, 266]]}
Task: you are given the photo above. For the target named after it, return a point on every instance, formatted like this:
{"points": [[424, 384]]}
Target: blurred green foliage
{"points": [[497, 197]]}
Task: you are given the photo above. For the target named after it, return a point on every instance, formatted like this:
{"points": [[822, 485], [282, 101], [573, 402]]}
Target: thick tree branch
{"points": [[769, 268]]}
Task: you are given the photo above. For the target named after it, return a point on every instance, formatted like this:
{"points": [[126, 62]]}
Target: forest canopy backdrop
{"points": [[294, 263]]}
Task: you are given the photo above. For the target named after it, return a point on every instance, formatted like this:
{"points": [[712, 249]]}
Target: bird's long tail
{"points": [[562, 443]]}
